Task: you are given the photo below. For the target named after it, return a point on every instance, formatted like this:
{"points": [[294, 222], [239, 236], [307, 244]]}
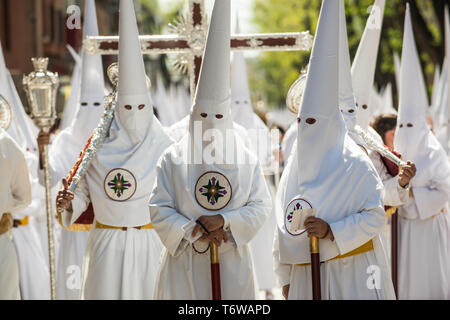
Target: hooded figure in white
{"points": [[65, 150], [72, 104], [388, 103], [364, 65], [194, 184], [259, 135], [32, 257], [440, 111], [123, 250], [424, 223], [15, 195], [327, 172]]}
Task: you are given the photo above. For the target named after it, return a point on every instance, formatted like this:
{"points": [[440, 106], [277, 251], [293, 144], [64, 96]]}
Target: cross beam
{"points": [[190, 42]]}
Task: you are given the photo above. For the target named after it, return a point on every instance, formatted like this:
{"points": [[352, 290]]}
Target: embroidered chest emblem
{"points": [[120, 184], [213, 191]]}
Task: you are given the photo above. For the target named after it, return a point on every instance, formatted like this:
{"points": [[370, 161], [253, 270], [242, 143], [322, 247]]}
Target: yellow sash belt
{"points": [[75, 227], [366, 247], [99, 225], [21, 222]]}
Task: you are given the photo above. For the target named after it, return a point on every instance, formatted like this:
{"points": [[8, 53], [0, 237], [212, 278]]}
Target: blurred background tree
{"points": [[152, 20], [271, 74]]}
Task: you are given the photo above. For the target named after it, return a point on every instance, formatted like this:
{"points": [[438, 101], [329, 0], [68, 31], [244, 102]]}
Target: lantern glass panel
{"points": [[42, 98]]}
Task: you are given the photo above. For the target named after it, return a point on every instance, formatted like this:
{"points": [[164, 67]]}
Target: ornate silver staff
{"points": [[41, 86], [100, 133], [374, 145]]}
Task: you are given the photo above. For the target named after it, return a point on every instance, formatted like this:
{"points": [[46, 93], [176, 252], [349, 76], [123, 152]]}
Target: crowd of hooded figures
{"points": [[158, 197]]}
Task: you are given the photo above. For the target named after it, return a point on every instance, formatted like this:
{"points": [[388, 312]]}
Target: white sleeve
{"points": [[432, 198], [429, 201], [246, 221], [394, 194], [20, 186], [282, 271], [360, 227], [80, 203], [168, 223]]}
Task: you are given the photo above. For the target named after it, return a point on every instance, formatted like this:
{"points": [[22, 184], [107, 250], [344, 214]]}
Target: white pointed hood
{"points": [[323, 74], [87, 97], [162, 102], [22, 128], [397, 65], [92, 87], [347, 103], [213, 95], [440, 110], [72, 104], [413, 139], [136, 139], [212, 102], [447, 71], [328, 169], [364, 64], [435, 95], [134, 113], [241, 106], [388, 102]]}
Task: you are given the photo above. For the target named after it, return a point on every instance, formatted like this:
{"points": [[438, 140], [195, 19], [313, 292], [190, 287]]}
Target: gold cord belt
{"points": [[6, 223], [366, 247], [99, 225]]}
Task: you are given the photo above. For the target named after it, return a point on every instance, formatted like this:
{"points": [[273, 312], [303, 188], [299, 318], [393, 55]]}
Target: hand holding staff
{"points": [[65, 197], [215, 237], [317, 229]]}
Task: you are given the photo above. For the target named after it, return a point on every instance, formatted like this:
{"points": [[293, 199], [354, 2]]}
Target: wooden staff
{"points": [[394, 251], [315, 268], [215, 272]]}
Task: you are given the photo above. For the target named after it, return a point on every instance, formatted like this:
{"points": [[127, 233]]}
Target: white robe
{"points": [[33, 257], [263, 266], [63, 153], [15, 195], [393, 194], [183, 273], [424, 236], [118, 264], [287, 144], [9, 269], [354, 271]]}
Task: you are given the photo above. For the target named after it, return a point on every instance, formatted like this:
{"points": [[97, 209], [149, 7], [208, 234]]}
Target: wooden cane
{"points": [[394, 251], [215, 272], [315, 268]]}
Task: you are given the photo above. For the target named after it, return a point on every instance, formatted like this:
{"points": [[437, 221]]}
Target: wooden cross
{"points": [[191, 40]]}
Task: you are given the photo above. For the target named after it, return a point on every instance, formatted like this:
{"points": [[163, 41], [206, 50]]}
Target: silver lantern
{"points": [[41, 87]]}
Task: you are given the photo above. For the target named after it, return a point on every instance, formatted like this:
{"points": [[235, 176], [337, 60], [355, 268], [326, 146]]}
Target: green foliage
{"points": [[274, 72]]}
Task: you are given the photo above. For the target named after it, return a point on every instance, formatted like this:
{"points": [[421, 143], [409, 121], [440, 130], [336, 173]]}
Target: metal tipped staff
{"points": [[41, 86], [315, 268], [215, 272], [394, 251]]}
